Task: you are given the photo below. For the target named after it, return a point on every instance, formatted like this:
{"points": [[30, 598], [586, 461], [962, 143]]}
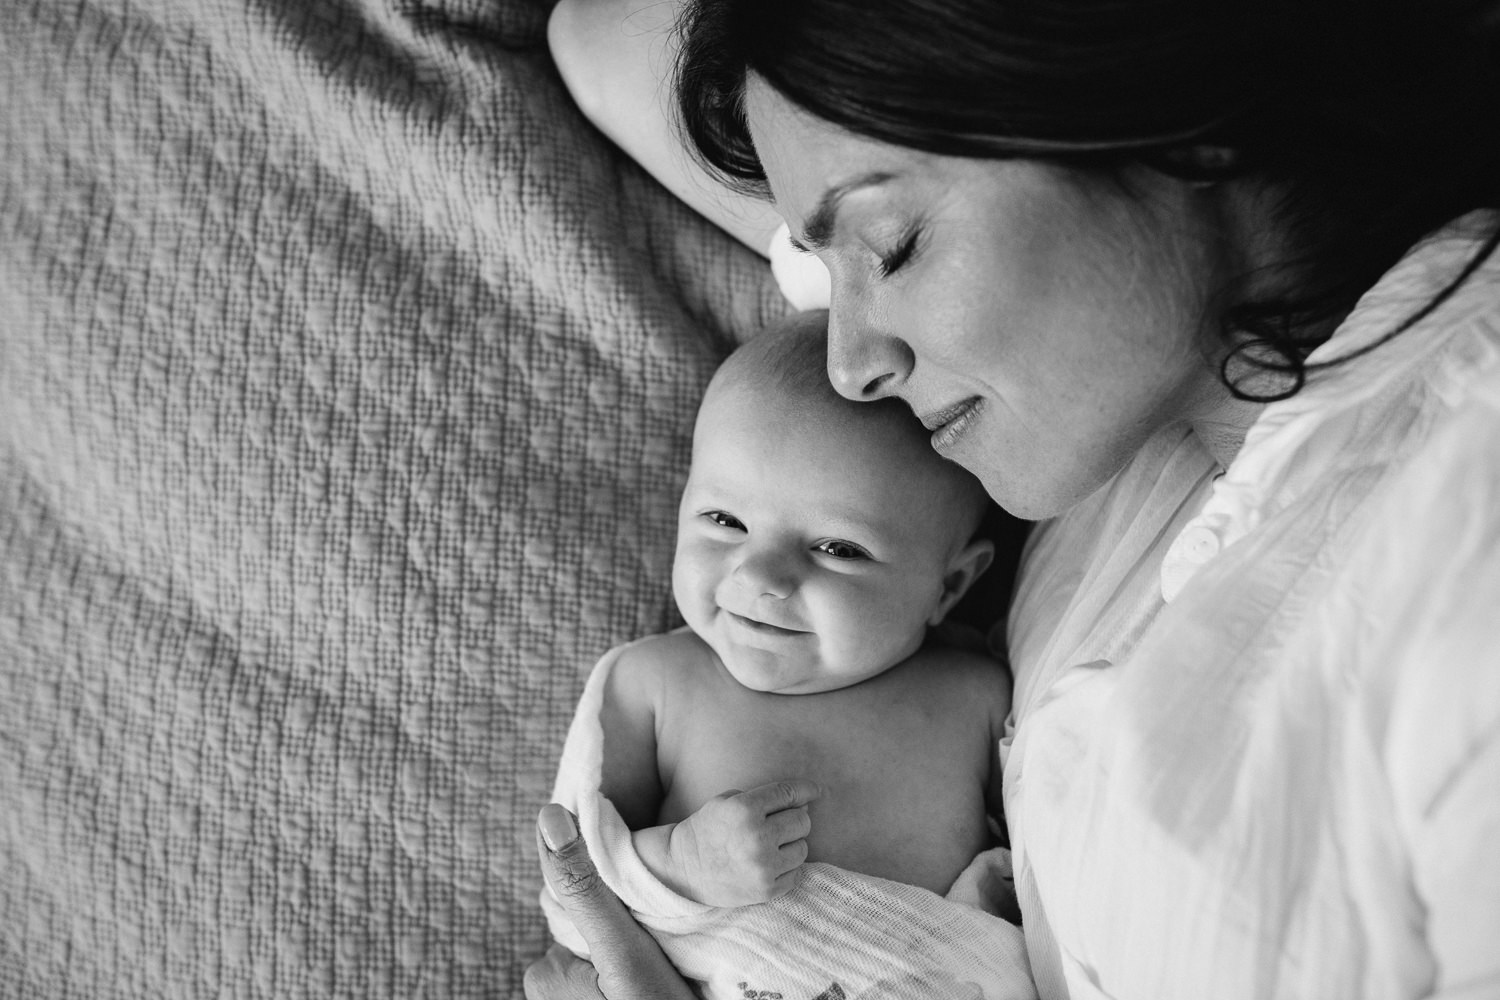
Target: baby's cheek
{"points": [[687, 590], [878, 624]]}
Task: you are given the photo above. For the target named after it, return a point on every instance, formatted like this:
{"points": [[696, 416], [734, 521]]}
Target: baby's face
{"points": [[811, 552]]}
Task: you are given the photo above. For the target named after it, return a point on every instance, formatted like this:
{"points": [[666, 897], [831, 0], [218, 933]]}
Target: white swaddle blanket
{"points": [[838, 934]]}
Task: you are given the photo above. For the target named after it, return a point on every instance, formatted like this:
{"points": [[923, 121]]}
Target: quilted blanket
{"points": [[346, 381]]}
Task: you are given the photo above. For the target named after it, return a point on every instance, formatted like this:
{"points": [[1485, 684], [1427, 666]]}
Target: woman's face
{"points": [[1042, 325]]}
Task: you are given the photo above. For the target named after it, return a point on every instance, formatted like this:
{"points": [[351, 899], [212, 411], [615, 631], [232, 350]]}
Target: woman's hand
{"points": [[628, 965]]}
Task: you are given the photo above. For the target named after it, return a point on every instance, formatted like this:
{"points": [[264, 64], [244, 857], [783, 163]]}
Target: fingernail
{"points": [[558, 828]]}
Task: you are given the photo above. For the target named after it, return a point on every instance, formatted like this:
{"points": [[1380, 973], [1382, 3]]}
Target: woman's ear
{"points": [[964, 568], [1200, 163]]}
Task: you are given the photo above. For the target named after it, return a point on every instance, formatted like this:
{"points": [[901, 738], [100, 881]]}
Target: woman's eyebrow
{"points": [[817, 232]]}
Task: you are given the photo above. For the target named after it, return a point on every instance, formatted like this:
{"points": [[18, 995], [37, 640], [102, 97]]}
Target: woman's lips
{"points": [[949, 425]]}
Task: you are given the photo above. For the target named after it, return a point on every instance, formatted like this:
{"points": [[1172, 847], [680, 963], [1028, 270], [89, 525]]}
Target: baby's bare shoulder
{"points": [[670, 658], [958, 673], [963, 665]]}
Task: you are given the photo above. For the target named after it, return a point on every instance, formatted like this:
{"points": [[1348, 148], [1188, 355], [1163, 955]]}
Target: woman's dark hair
{"points": [[1379, 120]]}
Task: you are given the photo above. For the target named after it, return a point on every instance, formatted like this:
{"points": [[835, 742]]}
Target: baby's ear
{"points": [[964, 568]]}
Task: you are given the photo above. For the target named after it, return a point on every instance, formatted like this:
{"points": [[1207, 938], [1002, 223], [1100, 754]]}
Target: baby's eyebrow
{"points": [[817, 232]]}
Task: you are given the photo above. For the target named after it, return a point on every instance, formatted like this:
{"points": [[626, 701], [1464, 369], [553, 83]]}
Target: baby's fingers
{"points": [[777, 796], [792, 855], [788, 825], [787, 881]]}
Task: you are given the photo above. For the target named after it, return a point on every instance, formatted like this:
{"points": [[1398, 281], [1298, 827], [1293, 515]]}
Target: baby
{"points": [[802, 723]]}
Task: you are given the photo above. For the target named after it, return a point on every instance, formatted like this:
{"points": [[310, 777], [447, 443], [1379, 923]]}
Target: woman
{"points": [[1211, 294]]}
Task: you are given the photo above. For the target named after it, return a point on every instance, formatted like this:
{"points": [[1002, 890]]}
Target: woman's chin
{"points": [[1032, 497]]}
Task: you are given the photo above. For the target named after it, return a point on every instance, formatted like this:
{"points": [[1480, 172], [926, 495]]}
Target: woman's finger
{"points": [[630, 965], [562, 975], [570, 873]]}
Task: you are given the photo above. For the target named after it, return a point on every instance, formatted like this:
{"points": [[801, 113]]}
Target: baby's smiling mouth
{"points": [[763, 627]]}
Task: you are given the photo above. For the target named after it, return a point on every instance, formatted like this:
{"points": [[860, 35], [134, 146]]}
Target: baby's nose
{"points": [[765, 571]]}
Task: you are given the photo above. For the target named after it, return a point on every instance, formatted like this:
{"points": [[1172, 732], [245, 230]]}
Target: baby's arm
{"points": [[616, 58], [738, 848], [629, 775]]}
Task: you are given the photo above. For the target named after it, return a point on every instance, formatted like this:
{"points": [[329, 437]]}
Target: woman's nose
{"points": [[864, 363]]}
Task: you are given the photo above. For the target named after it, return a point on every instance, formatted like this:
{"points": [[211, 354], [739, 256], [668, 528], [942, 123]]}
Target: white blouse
{"points": [[1256, 749]]}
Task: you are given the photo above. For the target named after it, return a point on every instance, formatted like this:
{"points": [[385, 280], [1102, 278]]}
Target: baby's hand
{"points": [[744, 847]]}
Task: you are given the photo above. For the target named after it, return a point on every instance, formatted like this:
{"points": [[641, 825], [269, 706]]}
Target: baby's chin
{"points": [[758, 677], [766, 672], [751, 670]]}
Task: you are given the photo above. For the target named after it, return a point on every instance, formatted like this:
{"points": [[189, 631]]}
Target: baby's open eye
{"points": [[842, 550], [724, 520]]}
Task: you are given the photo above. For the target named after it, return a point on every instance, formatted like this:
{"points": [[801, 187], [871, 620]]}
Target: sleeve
{"points": [[1440, 623]]}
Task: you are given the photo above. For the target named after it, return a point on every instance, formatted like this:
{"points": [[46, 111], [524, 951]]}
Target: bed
{"points": [[346, 384]]}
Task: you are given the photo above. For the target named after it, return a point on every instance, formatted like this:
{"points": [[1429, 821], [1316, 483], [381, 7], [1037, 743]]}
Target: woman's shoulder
{"points": [[1420, 594], [1426, 555]]}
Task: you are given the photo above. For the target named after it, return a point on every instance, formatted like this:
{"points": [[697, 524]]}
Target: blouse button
{"points": [[1200, 544], [1196, 545]]}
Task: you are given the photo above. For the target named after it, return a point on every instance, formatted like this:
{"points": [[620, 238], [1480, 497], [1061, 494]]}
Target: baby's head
{"points": [[817, 538]]}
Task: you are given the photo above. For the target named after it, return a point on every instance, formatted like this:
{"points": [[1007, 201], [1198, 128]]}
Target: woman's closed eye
{"points": [[839, 549], [901, 254]]}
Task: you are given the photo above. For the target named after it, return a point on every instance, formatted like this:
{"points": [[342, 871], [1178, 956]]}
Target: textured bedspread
{"points": [[346, 378]]}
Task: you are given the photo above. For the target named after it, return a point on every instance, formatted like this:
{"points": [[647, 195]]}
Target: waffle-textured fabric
{"points": [[838, 933], [346, 384]]}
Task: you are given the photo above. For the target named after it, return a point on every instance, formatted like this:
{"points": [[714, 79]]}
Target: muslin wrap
{"points": [[838, 934]]}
